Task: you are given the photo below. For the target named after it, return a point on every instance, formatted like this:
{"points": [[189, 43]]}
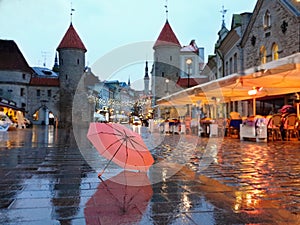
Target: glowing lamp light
{"points": [[252, 92], [255, 90]]}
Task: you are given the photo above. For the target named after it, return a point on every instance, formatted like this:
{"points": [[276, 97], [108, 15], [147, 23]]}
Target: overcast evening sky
{"points": [[37, 26]]}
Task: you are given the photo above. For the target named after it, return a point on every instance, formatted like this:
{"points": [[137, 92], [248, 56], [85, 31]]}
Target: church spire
{"points": [[146, 80], [56, 66], [146, 70]]}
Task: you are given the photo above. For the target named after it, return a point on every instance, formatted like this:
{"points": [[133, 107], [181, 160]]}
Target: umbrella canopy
{"points": [[277, 77], [120, 200], [120, 145]]}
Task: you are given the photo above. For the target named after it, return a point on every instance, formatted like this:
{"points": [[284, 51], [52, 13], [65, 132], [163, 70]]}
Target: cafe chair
{"points": [[290, 126], [274, 127], [234, 127]]}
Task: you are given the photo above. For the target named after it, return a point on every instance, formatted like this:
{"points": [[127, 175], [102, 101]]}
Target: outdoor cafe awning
{"points": [[275, 78]]}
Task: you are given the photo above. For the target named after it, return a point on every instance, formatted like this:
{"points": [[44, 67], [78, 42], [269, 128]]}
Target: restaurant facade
{"points": [[255, 69]]}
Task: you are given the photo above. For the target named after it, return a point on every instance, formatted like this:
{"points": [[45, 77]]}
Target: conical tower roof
{"points": [[167, 37], [71, 40]]}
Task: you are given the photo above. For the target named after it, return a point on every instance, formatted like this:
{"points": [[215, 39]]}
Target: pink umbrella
{"points": [[121, 145]]}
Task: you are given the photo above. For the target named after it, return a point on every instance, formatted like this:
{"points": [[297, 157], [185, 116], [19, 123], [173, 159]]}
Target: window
{"points": [[38, 92], [22, 92], [226, 68], [275, 55], [235, 63], [230, 66], [24, 76], [267, 20], [263, 55], [77, 61], [49, 93], [163, 74]]}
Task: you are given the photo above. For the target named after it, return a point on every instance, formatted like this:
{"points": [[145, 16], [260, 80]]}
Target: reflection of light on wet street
{"points": [[186, 204], [249, 201], [45, 182], [36, 136]]}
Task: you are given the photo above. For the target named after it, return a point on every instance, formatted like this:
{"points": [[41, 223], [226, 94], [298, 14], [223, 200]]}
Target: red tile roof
{"points": [[11, 58], [43, 81], [167, 36], [71, 40], [183, 82]]}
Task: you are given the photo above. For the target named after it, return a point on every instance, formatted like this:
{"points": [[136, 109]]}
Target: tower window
{"points": [[267, 20], [163, 74], [171, 58], [66, 76], [77, 61], [24, 76], [38, 92], [22, 91], [49, 93]]}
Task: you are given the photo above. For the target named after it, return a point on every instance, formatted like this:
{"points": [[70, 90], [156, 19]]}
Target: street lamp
{"points": [[167, 86], [189, 62]]}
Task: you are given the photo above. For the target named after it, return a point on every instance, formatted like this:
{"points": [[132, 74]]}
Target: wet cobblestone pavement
{"points": [[46, 180]]}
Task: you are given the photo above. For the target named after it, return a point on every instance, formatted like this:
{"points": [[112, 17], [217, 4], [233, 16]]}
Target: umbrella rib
{"points": [[108, 190], [111, 126], [110, 133], [131, 140], [135, 142], [112, 156]]}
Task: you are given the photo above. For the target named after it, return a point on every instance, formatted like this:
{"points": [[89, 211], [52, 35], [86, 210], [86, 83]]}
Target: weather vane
{"points": [[223, 11], [166, 6], [72, 10]]}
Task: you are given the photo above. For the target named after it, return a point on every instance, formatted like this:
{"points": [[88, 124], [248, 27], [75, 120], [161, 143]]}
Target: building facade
{"points": [[270, 32]]}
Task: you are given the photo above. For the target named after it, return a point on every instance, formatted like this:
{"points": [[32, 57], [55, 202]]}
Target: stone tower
{"points": [[71, 51], [146, 80], [166, 62]]}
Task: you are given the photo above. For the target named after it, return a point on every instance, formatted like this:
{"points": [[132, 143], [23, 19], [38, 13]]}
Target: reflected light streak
{"points": [[186, 203], [252, 199], [164, 174]]}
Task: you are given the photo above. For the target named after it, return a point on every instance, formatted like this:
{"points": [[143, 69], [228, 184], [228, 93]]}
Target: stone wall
{"points": [[288, 41]]}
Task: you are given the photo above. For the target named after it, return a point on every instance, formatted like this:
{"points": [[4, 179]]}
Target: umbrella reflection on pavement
{"points": [[121, 199], [121, 145]]}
